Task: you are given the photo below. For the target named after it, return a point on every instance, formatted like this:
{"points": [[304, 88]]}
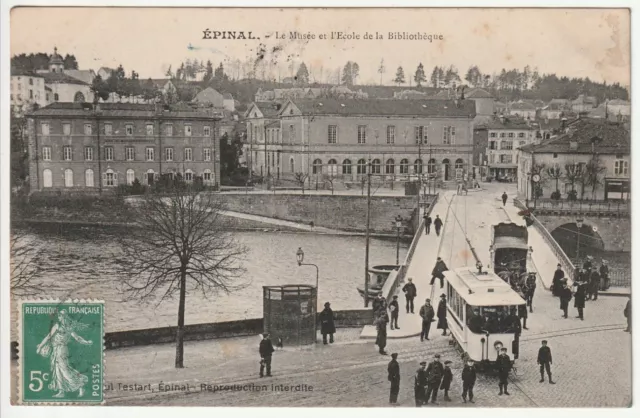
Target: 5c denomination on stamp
{"points": [[61, 352]]}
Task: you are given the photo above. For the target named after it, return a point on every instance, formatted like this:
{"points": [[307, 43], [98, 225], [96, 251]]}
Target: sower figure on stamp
{"points": [[410, 293], [427, 314], [394, 309], [427, 223], [442, 314], [447, 378], [327, 326], [393, 370], [435, 370], [545, 361], [468, 381], [420, 384], [266, 351]]}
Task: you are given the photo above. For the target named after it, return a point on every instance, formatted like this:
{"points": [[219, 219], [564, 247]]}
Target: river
{"points": [[78, 263]]}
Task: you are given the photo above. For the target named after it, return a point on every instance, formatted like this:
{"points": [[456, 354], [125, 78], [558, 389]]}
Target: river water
{"points": [[78, 263]]}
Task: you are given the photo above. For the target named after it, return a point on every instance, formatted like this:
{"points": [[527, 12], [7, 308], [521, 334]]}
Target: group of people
{"points": [[437, 224], [587, 282]]}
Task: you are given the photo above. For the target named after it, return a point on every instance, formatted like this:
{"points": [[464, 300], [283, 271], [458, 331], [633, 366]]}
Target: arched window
{"points": [[404, 166], [389, 167], [417, 166], [292, 165], [375, 166], [317, 166], [68, 177], [88, 178], [459, 163], [131, 176], [207, 176], [188, 176], [362, 166], [431, 166], [332, 167], [56, 97], [110, 178], [346, 167], [47, 178], [79, 98], [151, 176]]}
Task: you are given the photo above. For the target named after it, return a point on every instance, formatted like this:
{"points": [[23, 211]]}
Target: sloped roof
{"points": [[122, 110], [618, 102], [227, 96], [555, 106], [392, 107], [478, 94], [208, 95], [83, 75], [62, 78], [24, 73], [510, 123], [522, 106], [268, 109], [613, 138]]}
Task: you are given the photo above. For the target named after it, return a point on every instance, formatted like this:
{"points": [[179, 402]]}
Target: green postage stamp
{"points": [[61, 352]]}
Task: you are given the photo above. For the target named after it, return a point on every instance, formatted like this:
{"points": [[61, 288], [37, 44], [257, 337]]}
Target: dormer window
{"points": [[291, 111]]}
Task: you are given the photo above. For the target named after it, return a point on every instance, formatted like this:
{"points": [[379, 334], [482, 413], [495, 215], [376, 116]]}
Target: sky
{"points": [[592, 43]]}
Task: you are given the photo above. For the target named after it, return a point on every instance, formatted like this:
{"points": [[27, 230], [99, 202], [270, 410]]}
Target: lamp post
{"points": [[366, 253], [300, 257], [398, 227], [579, 225]]}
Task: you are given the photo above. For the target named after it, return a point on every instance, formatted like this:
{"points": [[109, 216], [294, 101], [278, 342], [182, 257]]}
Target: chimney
{"points": [[501, 118]]}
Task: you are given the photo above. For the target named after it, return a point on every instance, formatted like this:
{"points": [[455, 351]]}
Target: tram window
{"points": [[494, 319]]}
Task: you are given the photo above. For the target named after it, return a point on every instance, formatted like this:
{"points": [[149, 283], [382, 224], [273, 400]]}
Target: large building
{"points": [[599, 150], [337, 137], [27, 89], [76, 146]]}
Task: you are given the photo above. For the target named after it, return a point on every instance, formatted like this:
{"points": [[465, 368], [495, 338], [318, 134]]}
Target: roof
{"points": [[584, 99], [273, 124], [547, 124], [268, 109], [510, 242], [618, 102], [395, 107], [610, 138], [122, 110], [522, 106], [47, 88], [482, 289], [478, 94], [56, 58], [227, 96], [24, 73], [83, 75], [444, 94], [106, 69], [561, 101], [208, 95], [511, 123], [61, 78], [554, 106]]}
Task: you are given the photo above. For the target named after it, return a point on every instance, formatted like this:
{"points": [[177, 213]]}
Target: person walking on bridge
{"points": [[442, 314], [627, 314], [438, 271], [427, 314], [604, 274], [437, 223], [420, 384], [393, 370], [579, 299], [558, 275], [565, 298], [410, 293], [394, 310], [530, 289], [545, 361], [504, 199], [381, 327], [427, 223]]}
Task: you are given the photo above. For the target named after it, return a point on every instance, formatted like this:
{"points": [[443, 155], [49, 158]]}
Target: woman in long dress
{"points": [[63, 377]]}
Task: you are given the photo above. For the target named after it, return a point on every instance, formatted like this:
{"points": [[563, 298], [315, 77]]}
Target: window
{"points": [[87, 129], [292, 165], [188, 154], [88, 178], [621, 168], [31, 94], [492, 134], [108, 129], [130, 153], [420, 134], [555, 155], [149, 129], [169, 130], [88, 153], [46, 153], [449, 136], [168, 154], [150, 153], [31, 81], [207, 176], [55, 97], [431, 166], [67, 153], [506, 145], [110, 179], [188, 176], [522, 143], [362, 134], [187, 130], [332, 168], [68, 178], [47, 178], [207, 130], [131, 176], [510, 134], [521, 135], [375, 166], [317, 166], [404, 166], [492, 145], [417, 167], [361, 168], [389, 167], [66, 129], [45, 129], [206, 154], [346, 167], [108, 153], [506, 158], [502, 134], [332, 134], [128, 130], [391, 134]]}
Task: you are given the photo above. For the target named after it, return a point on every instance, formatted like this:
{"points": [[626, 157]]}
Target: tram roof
{"points": [[482, 289], [510, 242]]}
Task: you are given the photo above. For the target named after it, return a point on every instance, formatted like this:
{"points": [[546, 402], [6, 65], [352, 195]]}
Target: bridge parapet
{"points": [[593, 208]]}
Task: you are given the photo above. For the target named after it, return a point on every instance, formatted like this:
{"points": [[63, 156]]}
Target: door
{"points": [[150, 179], [88, 178], [447, 174]]}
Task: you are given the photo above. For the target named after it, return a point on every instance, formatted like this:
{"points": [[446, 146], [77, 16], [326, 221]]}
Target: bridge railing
{"points": [[619, 277], [616, 208]]}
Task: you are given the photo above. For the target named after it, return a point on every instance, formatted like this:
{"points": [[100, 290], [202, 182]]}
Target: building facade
{"points": [[505, 135], [74, 146], [27, 89]]}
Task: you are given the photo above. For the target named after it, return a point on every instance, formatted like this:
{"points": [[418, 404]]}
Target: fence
{"points": [[619, 277], [594, 207]]}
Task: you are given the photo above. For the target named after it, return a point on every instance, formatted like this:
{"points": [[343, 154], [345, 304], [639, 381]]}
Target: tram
{"points": [[482, 315], [510, 253]]}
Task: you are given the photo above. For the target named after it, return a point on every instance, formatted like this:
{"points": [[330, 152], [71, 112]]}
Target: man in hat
{"points": [[427, 223], [394, 309], [437, 223], [579, 299], [565, 297], [381, 327], [266, 351], [427, 314], [379, 305], [447, 377], [420, 384], [504, 365], [327, 326], [468, 381], [558, 275], [435, 371], [438, 271], [393, 370], [588, 264], [545, 361], [442, 314], [594, 285], [410, 293], [504, 198], [476, 322], [604, 274], [530, 289]]}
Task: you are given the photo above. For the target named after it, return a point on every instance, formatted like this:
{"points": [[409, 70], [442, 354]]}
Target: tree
{"points": [[419, 76], [19, 150], [177, 246], [208, 75], [555, 173], [435, 77], [70, 62], [230, 153], [169, 73], [25, 267], [594, 171], [301, 179], [100, 89], [381, 69], [350, 73], [219, 73], [302, 76], [574, 173], [149, 90], [399, 76]]}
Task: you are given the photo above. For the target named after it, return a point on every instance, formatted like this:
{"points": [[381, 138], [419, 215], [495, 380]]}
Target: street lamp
{"points": [[300, 257], [366, 253], [398, 227], [579, 225]]}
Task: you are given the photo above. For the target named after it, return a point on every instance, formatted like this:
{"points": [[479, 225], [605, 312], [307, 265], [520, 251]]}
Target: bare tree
{"points": [[574, 173], [25, 268], [301, 178], [330, 178], [593, 174], [555, 173], [178, 245]]}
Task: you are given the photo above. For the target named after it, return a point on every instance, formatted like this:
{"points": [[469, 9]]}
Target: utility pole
{"points": [[428, 172], [366, 253], [421, 132]]}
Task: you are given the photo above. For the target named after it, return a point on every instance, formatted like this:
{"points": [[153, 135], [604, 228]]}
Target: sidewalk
{"points": [[420, 270]]}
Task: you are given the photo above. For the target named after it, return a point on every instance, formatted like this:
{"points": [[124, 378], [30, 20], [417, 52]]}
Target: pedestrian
{"points": [[565, 298], [579, 299], [381, 327], [468, 381], [504, 365], [558, 275], [435, 370], [327, 326], [530, 289], [522, 313], [588, 265], [594, 285], [627, 314], [379, 305], [394, 310], [420, 384], [545, 361], [438, 271], [266, 351], [447, 377], [437, 223], [504, 198], [410, 293], [427, 314], [442, 314], [427, 223], [393, 370], [604, 274]]}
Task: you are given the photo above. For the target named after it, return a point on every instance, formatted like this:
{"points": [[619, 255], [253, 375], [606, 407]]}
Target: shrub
{"points": [[573, 195], [556, 195]]}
